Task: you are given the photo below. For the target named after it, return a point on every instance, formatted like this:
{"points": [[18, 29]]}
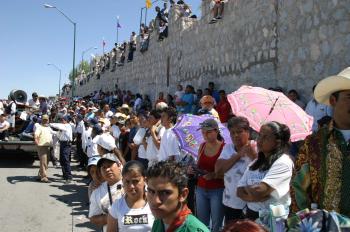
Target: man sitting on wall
{"points": [[217, 9], [4, 127]]}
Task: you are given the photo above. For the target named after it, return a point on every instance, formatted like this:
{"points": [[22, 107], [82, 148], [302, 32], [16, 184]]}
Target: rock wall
{"points": [[287, 43]]}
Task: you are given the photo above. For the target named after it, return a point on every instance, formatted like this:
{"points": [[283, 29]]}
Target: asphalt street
{"points": [[29, 205]]}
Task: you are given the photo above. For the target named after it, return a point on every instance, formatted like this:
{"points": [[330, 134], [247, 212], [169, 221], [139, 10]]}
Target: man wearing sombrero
{"points": [[322, 169]]}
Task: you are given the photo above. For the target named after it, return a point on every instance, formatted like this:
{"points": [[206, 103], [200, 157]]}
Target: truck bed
{"points": [[18, 146]]}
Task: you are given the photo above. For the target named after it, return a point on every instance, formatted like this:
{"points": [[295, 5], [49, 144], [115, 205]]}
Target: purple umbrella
{"points": [[190, 138]]}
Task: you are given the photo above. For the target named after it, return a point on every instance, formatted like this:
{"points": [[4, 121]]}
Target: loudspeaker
{"points": [[18, 95]]}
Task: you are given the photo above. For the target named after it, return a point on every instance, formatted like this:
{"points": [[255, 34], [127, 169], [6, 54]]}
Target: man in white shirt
{"points": [[65, 137], [106, 110], [169, 144], [12, 114], [4, 127], [179, 93], [79, 129], [34, 103], [317, 110], [1, 107]]}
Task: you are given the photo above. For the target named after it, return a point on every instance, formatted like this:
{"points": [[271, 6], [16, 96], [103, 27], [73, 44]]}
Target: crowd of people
{"points": [[142, 180], [124, 52]]}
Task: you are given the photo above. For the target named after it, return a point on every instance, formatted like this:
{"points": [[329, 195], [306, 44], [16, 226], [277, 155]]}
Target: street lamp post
{"points": [[82, 56], [74, 25], [59, 80]]}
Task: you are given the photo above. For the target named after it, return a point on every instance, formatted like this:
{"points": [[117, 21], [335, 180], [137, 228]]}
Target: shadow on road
{"points": [[76, 198], [75, 195], [17, 161], [17, 179]]}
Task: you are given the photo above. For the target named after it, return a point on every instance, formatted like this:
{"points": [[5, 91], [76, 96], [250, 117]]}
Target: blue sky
{"points": [[32, 36]]}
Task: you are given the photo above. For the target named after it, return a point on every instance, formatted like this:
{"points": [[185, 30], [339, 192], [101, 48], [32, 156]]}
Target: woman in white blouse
{"points": [[267, 180]]}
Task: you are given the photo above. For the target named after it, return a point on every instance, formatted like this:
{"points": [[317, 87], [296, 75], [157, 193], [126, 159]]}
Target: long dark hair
{"points": [[281, 133]]}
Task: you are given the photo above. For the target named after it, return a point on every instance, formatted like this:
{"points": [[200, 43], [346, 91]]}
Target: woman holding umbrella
{"points": [[267, 180], [210, 185]]}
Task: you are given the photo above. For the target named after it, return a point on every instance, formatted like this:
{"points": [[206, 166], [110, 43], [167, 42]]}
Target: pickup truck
{"points": [[18, 146], [15, 145]]}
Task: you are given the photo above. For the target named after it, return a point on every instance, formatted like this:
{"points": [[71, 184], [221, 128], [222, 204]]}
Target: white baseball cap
{"points": [[93, 161], [106, 141]]}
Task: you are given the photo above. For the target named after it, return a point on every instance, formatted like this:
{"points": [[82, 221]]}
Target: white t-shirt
{"points": [[318, 111], [1, 107], [91, 147], [178, 95], [85, 137], [34, 104], [142, 152], [131, 219], [99, 200], [169, 146], [109, 114], [115, 131], [152, 151], [232, 177], [277, 177], [80, 127], [65, 133], [11, 118]]}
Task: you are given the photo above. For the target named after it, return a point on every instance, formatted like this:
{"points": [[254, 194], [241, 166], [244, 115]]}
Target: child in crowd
{"points": [[131, 212], [167, 194]]}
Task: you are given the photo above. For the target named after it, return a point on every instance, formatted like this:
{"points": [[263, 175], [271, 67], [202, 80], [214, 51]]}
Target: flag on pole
{"points": [[103, 45], [148, 4], [118, 24]]}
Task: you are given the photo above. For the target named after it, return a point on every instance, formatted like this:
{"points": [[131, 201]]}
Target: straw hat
{"points": [[332, 84]]}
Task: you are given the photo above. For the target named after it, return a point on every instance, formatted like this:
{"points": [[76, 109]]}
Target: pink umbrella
{"points": [[260, 105]]}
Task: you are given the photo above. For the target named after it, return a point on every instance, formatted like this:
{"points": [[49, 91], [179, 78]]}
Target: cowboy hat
{"points": [[332, 84]]}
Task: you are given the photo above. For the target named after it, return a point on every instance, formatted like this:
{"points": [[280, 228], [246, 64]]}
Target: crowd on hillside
{"points": [[127, 142]]}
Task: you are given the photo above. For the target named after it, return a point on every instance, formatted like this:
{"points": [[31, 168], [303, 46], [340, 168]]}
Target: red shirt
{"points": [[207, 163], [223, 108]]}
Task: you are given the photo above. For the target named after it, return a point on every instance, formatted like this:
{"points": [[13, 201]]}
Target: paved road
{"points": [[28, 205]]}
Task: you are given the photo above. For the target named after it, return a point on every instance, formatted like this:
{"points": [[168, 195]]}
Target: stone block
{"points": [[302, 53], [315, 51], [308, 6], [340, 14], [325, 48], [319, 67], [344, 27]]}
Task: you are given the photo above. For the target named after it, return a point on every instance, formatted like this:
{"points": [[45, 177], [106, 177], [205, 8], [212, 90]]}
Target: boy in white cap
{"points": [[103, 197]]}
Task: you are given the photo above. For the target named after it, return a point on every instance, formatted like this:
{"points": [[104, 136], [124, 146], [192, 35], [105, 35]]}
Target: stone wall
{"points": [[287, 43]]}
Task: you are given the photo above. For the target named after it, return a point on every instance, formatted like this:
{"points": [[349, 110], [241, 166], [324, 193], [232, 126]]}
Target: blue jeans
{"points": [[209, 206]]}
